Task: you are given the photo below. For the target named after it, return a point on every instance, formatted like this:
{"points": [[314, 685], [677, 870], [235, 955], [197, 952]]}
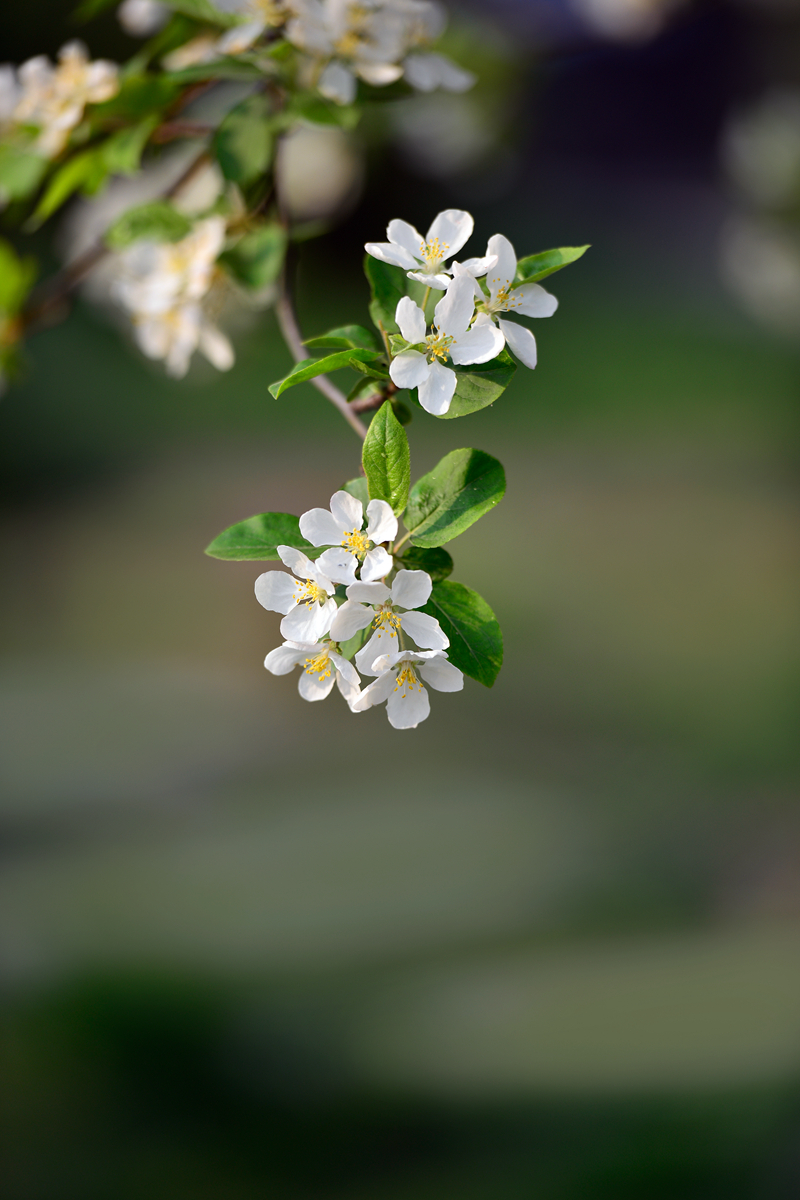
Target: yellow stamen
{"points": [[309, 592], [433, 253], [407, 680], [321, 665], [355, 541], [439, 344], [389, 620]]}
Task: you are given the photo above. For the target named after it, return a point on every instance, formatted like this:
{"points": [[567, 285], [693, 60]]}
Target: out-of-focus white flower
{"points": [[319, 170], [529, 299], [142, 18], [451, 338], [761, 265], [52, 98], [400, 685], [200, 49], [161, 284], [343, 39], [626, 20], [258, 15], [761, 148], [427, 72], [321, 667], [342, 526], [424, 258], [391, 610], [306, 602]]}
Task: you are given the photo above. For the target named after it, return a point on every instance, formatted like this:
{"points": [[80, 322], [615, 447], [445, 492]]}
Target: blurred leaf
{"points": [[17, 276], [476, 641], [343, 336], [91, 8], [358, 488], [310, 106], [388, 286], [157, 220], [123, 151], [258, 538], [221, 68], [437, 562], [243, 142], [538, 266], [480, 385], [203, 10], [87, 170], [256, 259], [387, 459], [138, 95], [311, 367], [20, 172], [462, 487]]}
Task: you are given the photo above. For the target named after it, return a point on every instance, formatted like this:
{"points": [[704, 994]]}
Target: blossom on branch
{"points": [[342, 526], [321, 666], [400, 685], [391, 611], [424, 258], [306, 602]]}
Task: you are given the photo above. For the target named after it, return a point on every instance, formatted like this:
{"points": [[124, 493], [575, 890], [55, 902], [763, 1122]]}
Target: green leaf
{"points": [[358, 488], [258, 538], [436, 562], [387, 459], [157, 220], [122, 153], [243, 142], [373, 370], [20, 173], [256, 259], [460, 489], [476, 642], [90, 8], [310, 106], [17, 276], [87, 170], [480, 385], [203, 10], [221, 68], [311, 367], [343, 336], [138, 96], [388, 286], [539, 266]]}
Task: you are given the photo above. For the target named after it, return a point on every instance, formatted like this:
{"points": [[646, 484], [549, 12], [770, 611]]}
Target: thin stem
{"points": [[425, 299], [402, 541]]}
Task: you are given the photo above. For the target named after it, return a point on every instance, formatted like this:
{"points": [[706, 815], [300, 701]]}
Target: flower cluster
{"points": [[162, 285], [47, 101], [316, 627]]}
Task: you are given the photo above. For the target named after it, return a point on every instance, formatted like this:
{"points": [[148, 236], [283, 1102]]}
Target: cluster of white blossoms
{"points": [[467, 326], [163, 285], [48, 100], [315, 626]]}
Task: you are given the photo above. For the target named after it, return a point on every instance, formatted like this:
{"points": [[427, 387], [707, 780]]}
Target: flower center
{"points": [[356, 37], [309, 592], [439, 344], [407, 680], [433, 253], [355, 541], [386, 618], [505, 299], [321, 665]]}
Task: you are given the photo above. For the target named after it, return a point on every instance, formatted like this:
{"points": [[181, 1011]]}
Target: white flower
{"points": [[451, 338], [427, 72], [375, 602], [529, 299], [350, 39], [174, 334], [306, 602], [52, 98], [342, 526], [399, 684], [321, 666], [424, 257], [259, 15], [141, 18]]}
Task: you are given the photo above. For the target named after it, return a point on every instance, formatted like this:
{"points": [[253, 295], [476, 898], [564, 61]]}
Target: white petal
{"points": [[240, 38], [454, 311], [368, 593], [437, 391], [350, 691], [421, 72], [375, 693], [281, 660], [463, 269], [275, 590], [338, 564], [426, 631], [442, 675], [298, 562], [408, 704], [411, 319], [397, 256], [349, 619], [377, 563], [479, 344], [477, 266], [383, 641], [337, 83], [379, 74], [216, 347], [308, 622], [501, 275], [405, 235], [409, 369], [316, 687], [348, 511], [521, 341], [452, 227], [454, 78], [381, 522], [439, 282], [345, 668], [411, 589], [536, 301], [320, 528]]}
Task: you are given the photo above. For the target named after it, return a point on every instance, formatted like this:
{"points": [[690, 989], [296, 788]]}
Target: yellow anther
{"points": [[439, 344], [356, 542], [433, 253], [389, 620], [321, 665], [407, 680], [309, 592]]}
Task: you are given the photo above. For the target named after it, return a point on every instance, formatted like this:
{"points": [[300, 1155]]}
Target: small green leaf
{"points": [[20, 173], [158, 221], [539, 266], [480, 385], [388, 285], [476, 642], [258, 538], [122, 153], [17, 277], [203, 10], [437, 562], [138, 96], [358, 488], [344, 336], [220, 68], [373, 370], [387, 459], [310, 106], [311, 367], [87, 171], [243, 142], [460, 489], [256, 259]]}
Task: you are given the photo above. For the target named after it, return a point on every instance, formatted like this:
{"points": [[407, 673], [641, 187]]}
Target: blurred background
{"points": [[548, 944]]}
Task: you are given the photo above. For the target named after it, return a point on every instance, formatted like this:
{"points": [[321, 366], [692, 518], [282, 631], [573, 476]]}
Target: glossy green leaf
{"points": [[257, 258], [539, 266], [374, 370], [480, 385], [476, 641], [388, 286], [464, 486], [387, 459], [158, 221], [358, 487], [243, 142], [258, 538], [344, 336], [20, 173], [311, 367], [437, 562]]}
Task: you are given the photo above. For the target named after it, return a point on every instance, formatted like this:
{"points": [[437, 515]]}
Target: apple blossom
{"points": [[391, 610], [400, 685], [424, 258], [345, 40], [306, 602], [342, 526], [52, 98], [321, 664]]}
